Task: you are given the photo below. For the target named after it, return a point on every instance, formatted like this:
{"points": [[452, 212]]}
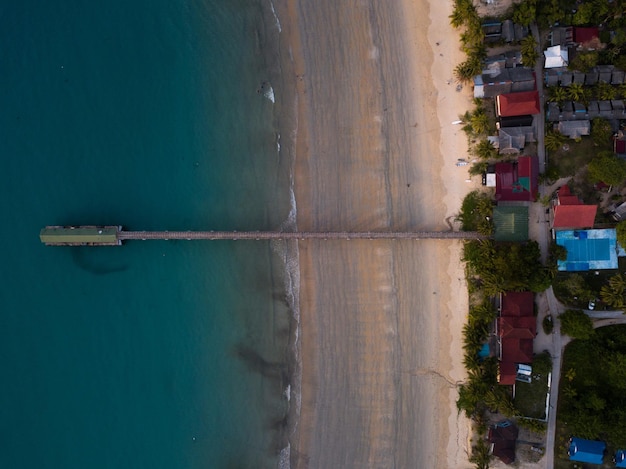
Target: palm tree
{"points": [[557, 94], [529, 51], [466, 71], [479, 121], [553, 140], [576, 92], [612, 297], [485, 150], [463, 11], [605, 92], [618, 283]]}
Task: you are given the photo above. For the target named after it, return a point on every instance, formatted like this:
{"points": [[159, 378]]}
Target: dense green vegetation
{"points": [[465, 16], [592, 402], [476, 213], [576, 324], [500, 267], [608, 168]]}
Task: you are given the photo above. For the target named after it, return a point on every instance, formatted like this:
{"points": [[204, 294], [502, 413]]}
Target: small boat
{"points": [[462, 163]]}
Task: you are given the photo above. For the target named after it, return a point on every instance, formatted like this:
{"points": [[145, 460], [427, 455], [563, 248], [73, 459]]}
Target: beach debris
{"points": [[459, 87], [462, 163]]}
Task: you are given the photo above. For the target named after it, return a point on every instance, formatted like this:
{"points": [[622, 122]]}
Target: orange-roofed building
{"points": [[517, 104], [570, 213]]}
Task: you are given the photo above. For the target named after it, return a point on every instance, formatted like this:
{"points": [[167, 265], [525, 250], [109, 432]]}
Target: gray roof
{"points": [[508, 33], [554, 112], [573, 111], [561, 35], [605, 72], [592, 109], [511, 140], [591, 78], [566, 78], [520, 31], [513, 58], [551, 78], [574, 129], [580, 108], [617, 77], [507, 80], [578, 77]]}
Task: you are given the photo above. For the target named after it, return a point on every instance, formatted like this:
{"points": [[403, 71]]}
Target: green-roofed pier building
{"points": [[80, 235]]}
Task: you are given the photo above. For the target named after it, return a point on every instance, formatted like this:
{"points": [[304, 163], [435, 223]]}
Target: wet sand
{"points": [[380, 330]]}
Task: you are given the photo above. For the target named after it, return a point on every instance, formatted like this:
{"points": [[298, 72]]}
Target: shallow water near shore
{"points": [[155, 354]]}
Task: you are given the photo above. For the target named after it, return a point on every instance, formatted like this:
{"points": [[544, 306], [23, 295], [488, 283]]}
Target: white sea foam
{"points": [[285, 454], [280, 30], [269, 93], [278, 142]]}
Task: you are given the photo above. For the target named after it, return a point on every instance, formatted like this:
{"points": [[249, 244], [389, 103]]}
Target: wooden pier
{"points": [[115, 235], [302, 235]]}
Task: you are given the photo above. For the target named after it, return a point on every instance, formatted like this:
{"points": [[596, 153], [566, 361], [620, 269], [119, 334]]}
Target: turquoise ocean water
{"points": [[155, 354]]}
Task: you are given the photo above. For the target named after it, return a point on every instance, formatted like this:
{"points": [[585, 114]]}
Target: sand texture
{"points": [[380, 333]]}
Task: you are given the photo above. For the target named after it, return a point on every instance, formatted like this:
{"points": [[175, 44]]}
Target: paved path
{"points": [[539, 120]]}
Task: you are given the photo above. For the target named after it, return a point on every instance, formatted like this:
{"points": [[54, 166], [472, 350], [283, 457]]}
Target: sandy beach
{"points": [[381, 321]]}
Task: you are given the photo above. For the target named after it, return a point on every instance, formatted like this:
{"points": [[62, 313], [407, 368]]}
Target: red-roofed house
{"points": [[502, 437], [515, 328], [517, 104], [570, 213], [516, 303], [517, 181], [583, 35]]}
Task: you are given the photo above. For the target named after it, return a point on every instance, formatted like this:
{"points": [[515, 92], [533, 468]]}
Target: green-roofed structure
{"points": [[80, 235], [510, 223]]}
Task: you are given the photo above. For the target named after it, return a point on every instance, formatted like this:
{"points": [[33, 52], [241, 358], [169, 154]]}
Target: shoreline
{"points": [[400, 189]]}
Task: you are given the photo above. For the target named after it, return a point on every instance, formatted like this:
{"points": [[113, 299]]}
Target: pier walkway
{"points": [[259, 235]]}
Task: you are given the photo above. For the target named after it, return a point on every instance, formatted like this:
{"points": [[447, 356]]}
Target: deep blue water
{"points": [[155, 354]]}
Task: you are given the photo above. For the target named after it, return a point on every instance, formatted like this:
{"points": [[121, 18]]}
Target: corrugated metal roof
{"points": [[510, 223]]}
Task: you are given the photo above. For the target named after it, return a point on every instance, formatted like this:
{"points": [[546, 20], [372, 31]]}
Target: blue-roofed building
{"points": [[586, 450], [620, 458], [588, 249]]}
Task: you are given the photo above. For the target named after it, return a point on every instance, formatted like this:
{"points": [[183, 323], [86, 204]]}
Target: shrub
{"points": [[548, 324]]}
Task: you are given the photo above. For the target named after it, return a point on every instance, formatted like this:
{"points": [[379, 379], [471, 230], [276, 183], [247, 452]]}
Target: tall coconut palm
{"points": [[612, 297], [485, 150], [618, 283], [479, 121], [557, 94], [576, 92], [529, 51], [466, 71], [554, 140], [463, 11], [605, 92]]}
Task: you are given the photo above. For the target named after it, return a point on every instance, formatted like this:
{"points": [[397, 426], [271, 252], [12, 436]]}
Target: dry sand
{"points": [[381, 321]]}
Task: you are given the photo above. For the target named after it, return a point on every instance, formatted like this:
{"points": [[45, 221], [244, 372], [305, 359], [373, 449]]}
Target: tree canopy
{"points": [[507, 266], [576, 324], [608, 168], [593, 397]]}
